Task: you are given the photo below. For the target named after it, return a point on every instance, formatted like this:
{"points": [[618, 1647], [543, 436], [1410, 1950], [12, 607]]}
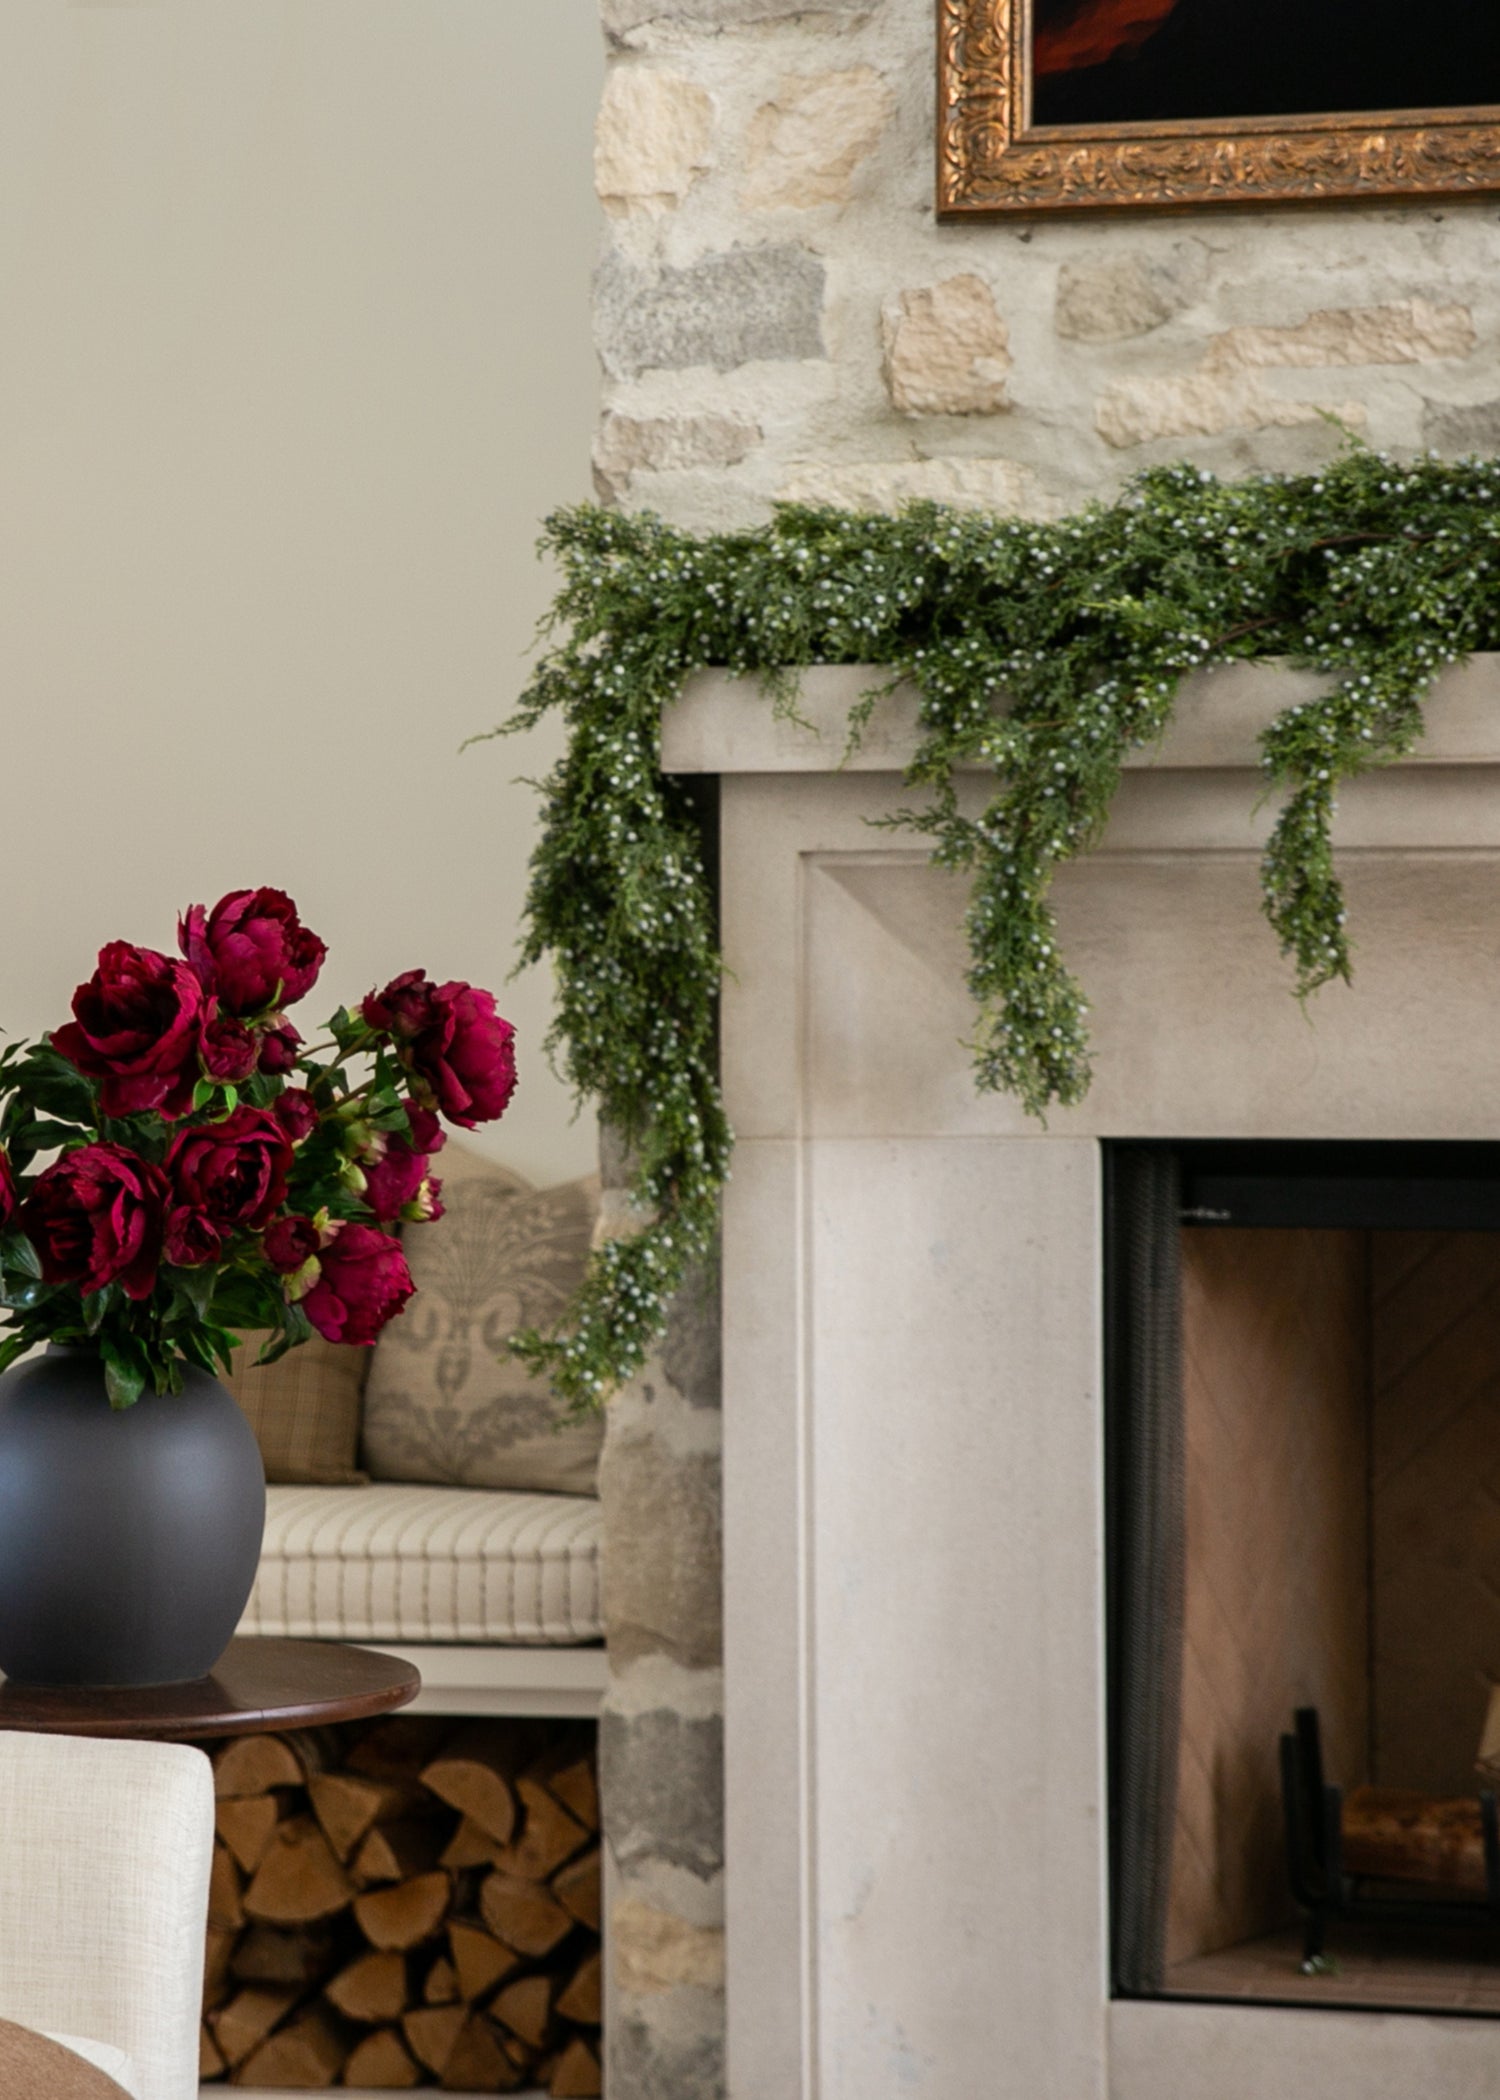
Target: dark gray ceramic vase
{"points": [[128, 1538]]}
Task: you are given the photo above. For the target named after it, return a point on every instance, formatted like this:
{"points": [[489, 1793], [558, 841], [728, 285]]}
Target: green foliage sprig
{"points": [[1044, 652]]}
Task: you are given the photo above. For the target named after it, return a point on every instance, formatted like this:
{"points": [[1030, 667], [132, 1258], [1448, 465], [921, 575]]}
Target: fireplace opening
{"points": [[1303, 1438]]}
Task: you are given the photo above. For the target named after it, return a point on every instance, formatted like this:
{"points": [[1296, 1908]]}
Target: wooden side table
{"points": [[257, 1685]]}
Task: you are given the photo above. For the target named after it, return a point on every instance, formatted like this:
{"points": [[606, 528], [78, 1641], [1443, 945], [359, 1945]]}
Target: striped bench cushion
{"points": [[400, 1563]]}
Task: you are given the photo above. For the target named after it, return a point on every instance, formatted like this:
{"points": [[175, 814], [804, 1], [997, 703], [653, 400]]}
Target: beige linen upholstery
{"points": [[104, 1859], [389, 1563], [113, 2062]]}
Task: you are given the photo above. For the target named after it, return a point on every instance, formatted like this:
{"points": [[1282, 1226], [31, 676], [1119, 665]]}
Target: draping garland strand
{"points": [[1376, 573]]}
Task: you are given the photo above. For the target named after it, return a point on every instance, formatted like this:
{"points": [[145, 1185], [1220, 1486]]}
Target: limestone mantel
{"points": [[913, 1527]]}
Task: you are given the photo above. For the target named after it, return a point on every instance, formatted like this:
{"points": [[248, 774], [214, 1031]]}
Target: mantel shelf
{"points": [[723, 724]]}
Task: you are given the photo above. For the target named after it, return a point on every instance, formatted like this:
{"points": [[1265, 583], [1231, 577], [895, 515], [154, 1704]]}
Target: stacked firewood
{"points": [[415, 1902]]}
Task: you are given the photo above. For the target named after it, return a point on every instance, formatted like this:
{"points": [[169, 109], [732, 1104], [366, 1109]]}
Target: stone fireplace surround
{"points": [[916, 1891]]}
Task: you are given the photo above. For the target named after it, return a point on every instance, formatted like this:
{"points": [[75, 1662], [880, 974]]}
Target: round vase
{"points": [[129, 1537]]}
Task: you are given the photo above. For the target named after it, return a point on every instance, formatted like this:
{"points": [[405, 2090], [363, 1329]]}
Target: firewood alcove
{"points": [[406, 1902]]}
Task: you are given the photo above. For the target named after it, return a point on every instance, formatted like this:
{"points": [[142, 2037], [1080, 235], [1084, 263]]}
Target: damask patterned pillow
{"points": [[443, 1401]]}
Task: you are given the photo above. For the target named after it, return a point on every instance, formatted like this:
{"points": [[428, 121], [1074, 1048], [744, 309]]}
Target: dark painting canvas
{"points": [[1145, 61]]}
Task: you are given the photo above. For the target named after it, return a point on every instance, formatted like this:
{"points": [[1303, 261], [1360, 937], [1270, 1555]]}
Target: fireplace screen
{"points": [[1303, 1433]]}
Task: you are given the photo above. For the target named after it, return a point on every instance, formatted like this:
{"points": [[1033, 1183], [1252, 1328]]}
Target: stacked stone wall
{"points": [[779, 315], [661, 1738]]}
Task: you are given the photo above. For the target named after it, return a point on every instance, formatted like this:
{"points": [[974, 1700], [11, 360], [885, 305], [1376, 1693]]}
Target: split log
{"points": [[406, 1914], [479, 1960], [246, 1823], [348, 1807], [476, 1774], [522, 1915], [525, 2007], [253, 1764], [581, 2001], [432, 2031], [299, 1880], [468, 1847], [479, 2064], [549, 1835], [579, 1889], [211, 2063], [397, 1852], [226, 1910], [441, 1986], [382, 2063], [309, 2053], [1399, 1835], [576, 2075], [219, 1946], [269, 1954], [568, 1773], [373, 1988], [251, 2014]]}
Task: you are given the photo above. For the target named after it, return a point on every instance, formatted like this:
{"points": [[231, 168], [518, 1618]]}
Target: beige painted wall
{"points": [[294, 355]]}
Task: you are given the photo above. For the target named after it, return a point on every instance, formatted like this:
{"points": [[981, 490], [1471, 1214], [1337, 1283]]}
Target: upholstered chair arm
{"points": [[105, 1850]]}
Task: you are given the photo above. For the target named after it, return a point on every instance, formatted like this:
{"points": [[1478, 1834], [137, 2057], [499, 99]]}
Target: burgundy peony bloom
{"points": [[233, 1173], [228, 1050], [459, 1052], [393, 1180], [252, 950], [427, 1133], [191, 1238], [8, 1194], [135, 1028], [296, 1112], [289, 1242], [95, 1216], [364, 1282], [278, 1048]]}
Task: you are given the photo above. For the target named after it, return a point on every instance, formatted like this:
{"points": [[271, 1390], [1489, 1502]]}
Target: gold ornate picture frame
{"points": [[994, 159]]}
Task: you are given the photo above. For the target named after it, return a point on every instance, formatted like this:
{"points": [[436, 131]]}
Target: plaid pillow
{"points": [[304, 1410]]}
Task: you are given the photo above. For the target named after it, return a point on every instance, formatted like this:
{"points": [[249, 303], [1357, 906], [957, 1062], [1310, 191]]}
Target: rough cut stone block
{"points": [[1224, 391], [651, 139], [1410, 332], [727, 310], [662, 1781], [629, 445], [970, 484], [1474, 427], [804, 147], [691, 1350], [661, 1518], [655, 1951], [1125, 295], [946, 350], [652, 2059]]}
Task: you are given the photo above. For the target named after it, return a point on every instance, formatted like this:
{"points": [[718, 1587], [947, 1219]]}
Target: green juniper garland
{"points": [[1375, 573]]}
